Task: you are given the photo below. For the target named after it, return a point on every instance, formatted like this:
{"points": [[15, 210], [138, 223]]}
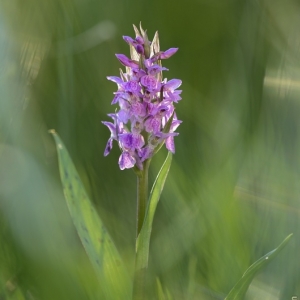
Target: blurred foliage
{"points": [[232, 192]]}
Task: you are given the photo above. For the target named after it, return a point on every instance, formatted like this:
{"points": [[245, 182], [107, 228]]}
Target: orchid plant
{"points": [[144, 121], [146, 118]]}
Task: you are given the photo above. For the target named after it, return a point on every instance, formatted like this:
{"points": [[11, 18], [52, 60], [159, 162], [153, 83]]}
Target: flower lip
{"points": [[126, 160], [131, 141]]}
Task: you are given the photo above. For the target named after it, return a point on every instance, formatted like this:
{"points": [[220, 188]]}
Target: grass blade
{"points": [[239, 290]]}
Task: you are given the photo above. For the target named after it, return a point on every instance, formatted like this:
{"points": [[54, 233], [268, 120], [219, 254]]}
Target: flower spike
{"points": [[146, 116]]}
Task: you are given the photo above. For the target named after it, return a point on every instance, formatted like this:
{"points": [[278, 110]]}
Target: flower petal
{"points": [[126, 161], [152, 124], [108, 147], [153, 70], [132, 86], [130, 141], [126, 61], [129, 40], [170, 145], [123, 116], [172, 84], [111, 127], [168, 53], [146, 152], [115, 79], [150, 82]]}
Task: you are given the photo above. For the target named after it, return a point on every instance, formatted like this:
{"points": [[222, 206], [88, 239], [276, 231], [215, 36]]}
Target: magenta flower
{"points": [[146, 116]]}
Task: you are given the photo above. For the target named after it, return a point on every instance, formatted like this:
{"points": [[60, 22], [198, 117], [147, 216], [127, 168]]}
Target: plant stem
{"points": [[142, 197]]}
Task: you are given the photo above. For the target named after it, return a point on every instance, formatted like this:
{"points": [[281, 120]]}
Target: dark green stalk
{"points": [[142, 196], [142, 199]]}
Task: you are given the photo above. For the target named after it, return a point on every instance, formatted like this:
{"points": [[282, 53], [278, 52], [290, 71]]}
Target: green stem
{"points": [[142, 198]]}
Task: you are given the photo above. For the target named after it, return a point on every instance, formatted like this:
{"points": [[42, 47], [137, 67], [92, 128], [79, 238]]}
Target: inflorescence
{"points": [[146, 118]]}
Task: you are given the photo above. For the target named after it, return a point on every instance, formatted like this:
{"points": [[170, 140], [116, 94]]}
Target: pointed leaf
{"points": [[239, 290], [113, 278], [160, 292], [161, 295]]}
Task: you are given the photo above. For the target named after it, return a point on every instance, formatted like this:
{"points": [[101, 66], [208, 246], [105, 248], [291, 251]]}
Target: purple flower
{"points": [[132, 86], [131, 141], [137, 43], [150, 83], [115, 129], [153, 124], [146, 116], [126, 160], [170, 139], [168, 53], [126, 61], [155, 69], [164, 55]]}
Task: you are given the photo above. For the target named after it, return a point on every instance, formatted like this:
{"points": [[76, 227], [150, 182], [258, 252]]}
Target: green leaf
{"points": [[9, 290], [239, 290], [160, 292], [113, 277]]}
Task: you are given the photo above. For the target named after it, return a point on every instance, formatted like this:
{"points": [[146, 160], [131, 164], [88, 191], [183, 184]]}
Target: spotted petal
{"points": [[126, 161]]}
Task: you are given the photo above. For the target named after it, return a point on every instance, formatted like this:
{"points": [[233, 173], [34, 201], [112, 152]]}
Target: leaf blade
{"points": [[241, 287], [96, 240]]}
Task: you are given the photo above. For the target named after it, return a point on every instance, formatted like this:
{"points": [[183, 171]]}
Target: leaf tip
{"points": [[52, 131], [287, 238]]}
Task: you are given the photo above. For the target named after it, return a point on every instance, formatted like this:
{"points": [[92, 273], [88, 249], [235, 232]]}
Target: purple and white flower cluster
{"points": [[146, 118]]}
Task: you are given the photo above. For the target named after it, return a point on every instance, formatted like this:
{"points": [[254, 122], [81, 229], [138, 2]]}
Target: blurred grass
{"points": [[232, 192]]}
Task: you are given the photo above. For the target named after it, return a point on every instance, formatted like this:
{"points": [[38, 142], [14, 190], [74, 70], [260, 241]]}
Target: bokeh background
{"points": [[233, 190]]}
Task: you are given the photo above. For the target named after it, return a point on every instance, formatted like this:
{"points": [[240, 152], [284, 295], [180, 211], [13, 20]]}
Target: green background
{"points": [[233, 189]]}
